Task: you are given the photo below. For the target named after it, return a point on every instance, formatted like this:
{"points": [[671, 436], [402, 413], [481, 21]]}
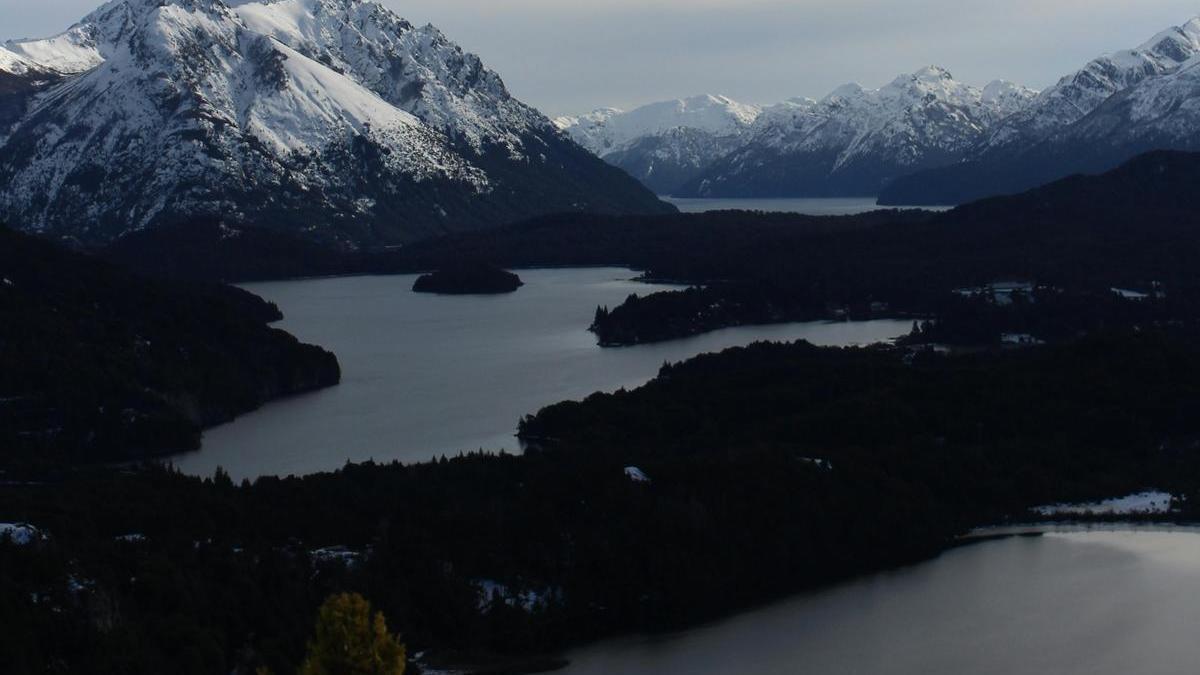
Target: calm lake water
{"points": [[1097, 603], [427, 375], [812, 207]]}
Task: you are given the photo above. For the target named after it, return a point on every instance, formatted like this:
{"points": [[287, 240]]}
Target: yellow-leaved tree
{"points": [[350, 641]]}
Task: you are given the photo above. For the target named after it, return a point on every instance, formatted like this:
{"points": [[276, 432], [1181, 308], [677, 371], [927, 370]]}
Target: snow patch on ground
{"points": [[347, 556], [21, 534], [1150, 502], [1130, 294], [818, 462], [528, 600], [636, 475]]}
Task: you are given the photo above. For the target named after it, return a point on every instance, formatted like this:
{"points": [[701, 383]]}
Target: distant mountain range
{"points": [[850, 143], [922, 139], [664, 144], [1092, 120], [334, 118], [854, 141]]}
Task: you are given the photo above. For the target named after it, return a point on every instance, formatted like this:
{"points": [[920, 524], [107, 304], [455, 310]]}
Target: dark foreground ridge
{"points": [[100, 364]]}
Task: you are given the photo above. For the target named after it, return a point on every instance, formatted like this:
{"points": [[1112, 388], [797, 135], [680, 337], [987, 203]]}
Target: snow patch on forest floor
{"points": [[1148, 502]]}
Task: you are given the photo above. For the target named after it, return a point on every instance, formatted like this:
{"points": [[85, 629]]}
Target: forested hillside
{"points": [[97, 363]]}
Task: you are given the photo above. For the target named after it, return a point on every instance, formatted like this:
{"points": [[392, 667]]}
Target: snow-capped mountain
{"points": [[332, 117], [854, 141], [1113, 108], [664, 144], [1081, 92]]}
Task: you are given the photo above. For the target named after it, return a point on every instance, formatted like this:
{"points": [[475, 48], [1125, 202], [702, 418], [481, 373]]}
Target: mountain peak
{"points": [[702, 100], [926, 80], [1168, 42], [848, 90], [334, 113], [933, 73]]}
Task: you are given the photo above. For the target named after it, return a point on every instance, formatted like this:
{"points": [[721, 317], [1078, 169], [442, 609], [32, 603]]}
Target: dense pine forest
{"points": [[768, 470], [97, 363]]}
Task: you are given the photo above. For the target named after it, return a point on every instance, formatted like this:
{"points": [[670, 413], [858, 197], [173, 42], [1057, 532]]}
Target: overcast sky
{"points": [[569, 56]]}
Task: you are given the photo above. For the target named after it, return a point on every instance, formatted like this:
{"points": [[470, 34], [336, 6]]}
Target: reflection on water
{"points": [[1086, 603], [427, 375]]}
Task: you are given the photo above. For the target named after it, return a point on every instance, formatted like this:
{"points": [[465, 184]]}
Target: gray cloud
{"points": [[565, 56]]}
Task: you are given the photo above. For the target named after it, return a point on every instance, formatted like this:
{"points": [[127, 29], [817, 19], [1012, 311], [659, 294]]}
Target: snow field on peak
{"points": [[68, 53], [13, 64]]}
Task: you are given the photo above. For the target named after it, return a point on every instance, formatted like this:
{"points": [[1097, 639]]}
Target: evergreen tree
{"points": [[351, 642]]}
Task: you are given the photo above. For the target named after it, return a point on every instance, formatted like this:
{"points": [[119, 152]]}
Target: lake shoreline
{"points": [[483, 362], [980, 536], [541, 663]]}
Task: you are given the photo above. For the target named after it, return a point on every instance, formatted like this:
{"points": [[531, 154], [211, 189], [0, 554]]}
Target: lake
{"points": [[429, 375], [842, 206], [1067, 603]]}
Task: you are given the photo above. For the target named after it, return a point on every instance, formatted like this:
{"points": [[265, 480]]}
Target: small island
{"points": [[472, 279]]}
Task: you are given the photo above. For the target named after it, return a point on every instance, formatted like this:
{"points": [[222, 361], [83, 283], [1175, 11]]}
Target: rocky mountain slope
{"points": [[335, 118], [1113, 108], [664, 144]]}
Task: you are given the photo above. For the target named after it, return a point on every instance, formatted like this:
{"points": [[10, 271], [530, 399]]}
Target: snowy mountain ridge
{"points": [[928, 108], [926, 138], [854, 140], [1076, 95], [1113, 108], [696, 146]]}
